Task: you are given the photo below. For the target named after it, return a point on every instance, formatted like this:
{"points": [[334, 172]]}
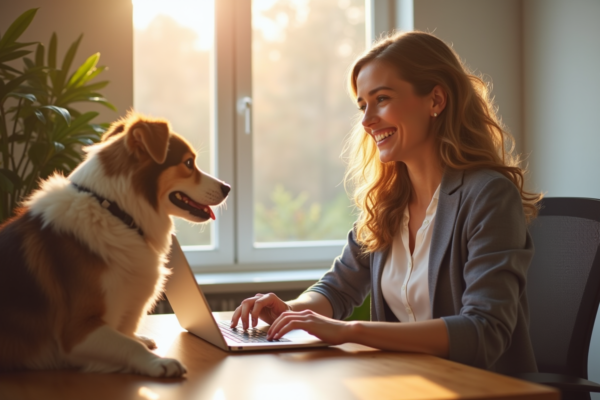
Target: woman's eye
{"points": [[189, 163], [362, 108], [381, 98]]}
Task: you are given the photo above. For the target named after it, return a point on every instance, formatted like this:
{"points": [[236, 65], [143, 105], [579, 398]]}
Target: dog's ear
{"points": [[151, 138]]}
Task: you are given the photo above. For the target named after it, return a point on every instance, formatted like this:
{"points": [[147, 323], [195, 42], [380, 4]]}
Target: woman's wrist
{"points": [[352, 331]]}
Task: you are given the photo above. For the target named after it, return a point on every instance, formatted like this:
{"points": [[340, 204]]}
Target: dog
{"points": [[83, 260]]}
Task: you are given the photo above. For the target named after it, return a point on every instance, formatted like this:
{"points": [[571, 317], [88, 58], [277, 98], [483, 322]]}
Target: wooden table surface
{"points": [[343, 372]]}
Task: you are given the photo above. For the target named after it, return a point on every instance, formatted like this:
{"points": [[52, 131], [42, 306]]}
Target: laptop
{"points": [[194, 314]]}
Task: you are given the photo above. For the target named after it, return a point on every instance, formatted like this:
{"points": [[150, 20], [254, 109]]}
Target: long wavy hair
{"points": [[468, 133]]}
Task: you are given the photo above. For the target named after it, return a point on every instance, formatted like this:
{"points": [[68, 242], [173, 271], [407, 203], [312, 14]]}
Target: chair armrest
{"points": [[559, 381]]}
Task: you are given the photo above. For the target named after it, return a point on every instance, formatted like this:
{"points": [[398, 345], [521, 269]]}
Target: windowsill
{"points": [[260, 281]]}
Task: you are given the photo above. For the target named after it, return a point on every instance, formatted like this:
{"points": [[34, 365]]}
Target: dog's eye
{"points": [[189, 163]]}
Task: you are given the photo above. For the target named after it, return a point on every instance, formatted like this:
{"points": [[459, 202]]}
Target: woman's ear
{"points": [[438, 100]]}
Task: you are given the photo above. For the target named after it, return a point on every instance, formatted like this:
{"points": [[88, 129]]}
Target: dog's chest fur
{"points": [[134, 273]]}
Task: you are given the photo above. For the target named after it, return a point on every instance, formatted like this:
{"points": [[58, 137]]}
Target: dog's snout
{"points": [[225, 189]]}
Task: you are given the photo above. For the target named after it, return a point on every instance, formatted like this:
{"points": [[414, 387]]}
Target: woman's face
{"points": [[396, 118]]}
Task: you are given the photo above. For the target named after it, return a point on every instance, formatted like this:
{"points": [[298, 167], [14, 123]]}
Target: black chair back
{"points": [[564, 283]]}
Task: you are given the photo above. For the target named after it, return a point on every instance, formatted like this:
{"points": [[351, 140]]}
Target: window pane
{"points": [[301, 51], [173, 42]]}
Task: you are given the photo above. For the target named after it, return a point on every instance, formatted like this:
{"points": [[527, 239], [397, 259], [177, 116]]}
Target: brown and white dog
{"points": [[83, 261]]}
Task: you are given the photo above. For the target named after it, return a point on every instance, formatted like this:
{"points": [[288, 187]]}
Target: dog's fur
{"points": [[75, 280]]}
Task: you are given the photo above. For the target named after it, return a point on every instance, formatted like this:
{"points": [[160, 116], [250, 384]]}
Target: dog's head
{"points": [[163, 168]]}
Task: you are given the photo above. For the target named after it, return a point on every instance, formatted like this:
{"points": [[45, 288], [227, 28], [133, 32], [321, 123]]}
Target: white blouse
{"points": [[404, 281]]}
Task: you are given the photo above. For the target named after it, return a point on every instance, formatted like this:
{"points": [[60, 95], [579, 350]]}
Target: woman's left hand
{"points": [[328, 330]]}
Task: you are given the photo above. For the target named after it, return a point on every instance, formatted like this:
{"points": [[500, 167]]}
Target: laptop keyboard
{"points": [[251, 335]]}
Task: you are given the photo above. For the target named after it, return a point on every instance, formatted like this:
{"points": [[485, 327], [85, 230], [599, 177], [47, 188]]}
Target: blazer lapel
{"points": [[379, 258], [445, 219]]}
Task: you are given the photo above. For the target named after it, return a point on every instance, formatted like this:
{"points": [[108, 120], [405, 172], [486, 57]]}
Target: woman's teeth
{"points": [[380, 136]]}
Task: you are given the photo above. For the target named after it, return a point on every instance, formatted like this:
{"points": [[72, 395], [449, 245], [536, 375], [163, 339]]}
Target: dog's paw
{"points": [[166, 368], [148, 342]]}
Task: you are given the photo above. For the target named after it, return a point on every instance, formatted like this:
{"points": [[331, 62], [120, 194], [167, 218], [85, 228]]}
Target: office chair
{"points": [[563, 290]]}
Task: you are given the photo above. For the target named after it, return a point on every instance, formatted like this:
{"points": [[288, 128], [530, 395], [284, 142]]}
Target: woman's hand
{"points": [[328, 330], [267, 307]]}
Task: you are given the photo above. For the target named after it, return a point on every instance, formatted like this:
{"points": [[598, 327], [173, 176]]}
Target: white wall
{"points": [[107, 26], [486, 34], [562, 89], [561, 105]]}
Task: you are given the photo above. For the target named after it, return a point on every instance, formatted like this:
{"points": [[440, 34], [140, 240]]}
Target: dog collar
{"points": [[113, 208]]}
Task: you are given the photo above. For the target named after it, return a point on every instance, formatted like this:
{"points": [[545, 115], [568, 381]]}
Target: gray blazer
{"points": [[479, 256]]}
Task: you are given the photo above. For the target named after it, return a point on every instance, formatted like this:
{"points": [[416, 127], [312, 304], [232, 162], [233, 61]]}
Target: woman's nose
{"points": [[369, 119]]}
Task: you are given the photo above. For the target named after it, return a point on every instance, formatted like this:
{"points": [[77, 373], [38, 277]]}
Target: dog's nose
{"points": [[225, 189]]}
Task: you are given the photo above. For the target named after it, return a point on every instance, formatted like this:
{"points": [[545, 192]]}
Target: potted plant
{"points": [[40, 131]]}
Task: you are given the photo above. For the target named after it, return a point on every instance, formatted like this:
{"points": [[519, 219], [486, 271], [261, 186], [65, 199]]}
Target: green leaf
{"points": [[60, 162], [79, 140], [38, 153], [26, 96], [103, 101], [100, 128], [52, 51], [63, 163], [9, 68], [59, 77], [40, 116], [58, 147], [39, 55], [95, 73], [14, 55], [68, 60], [14, 84], [63, 112], [76, 125], [13, 47], [85, 141], [17, 27], [82, 92], [29, 63], [80, 76]]}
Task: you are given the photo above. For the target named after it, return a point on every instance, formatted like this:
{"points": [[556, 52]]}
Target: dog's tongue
{"points": [[202, 207]]}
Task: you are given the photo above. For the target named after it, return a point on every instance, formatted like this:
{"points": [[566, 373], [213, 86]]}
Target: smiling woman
{"points": [[441, 243]]}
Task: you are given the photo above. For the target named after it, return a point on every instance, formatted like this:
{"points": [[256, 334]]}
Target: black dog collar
{"points": [[113, 208]]}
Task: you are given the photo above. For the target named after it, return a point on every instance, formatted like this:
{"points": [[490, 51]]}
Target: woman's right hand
{"points": [[267, 307]]}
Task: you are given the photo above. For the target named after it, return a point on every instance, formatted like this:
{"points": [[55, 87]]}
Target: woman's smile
{"points": [[382, 134]]}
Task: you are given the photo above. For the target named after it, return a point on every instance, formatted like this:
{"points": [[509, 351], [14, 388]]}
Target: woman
{"points": [[441, 243]]}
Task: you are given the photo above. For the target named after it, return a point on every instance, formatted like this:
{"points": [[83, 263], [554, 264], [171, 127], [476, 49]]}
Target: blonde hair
{"points": [[468, 133]]}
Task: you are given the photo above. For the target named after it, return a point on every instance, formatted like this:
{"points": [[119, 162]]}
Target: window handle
{"points": [[245, 106]]}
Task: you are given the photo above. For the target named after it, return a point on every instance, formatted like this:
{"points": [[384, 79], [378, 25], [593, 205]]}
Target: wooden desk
{"points": [[343, 372]]}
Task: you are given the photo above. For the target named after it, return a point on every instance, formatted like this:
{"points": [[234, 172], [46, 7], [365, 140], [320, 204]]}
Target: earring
{"points": [[434, 115]]}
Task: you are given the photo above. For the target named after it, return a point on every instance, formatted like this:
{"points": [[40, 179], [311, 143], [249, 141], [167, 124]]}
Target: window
{"points": [[259, 88]]}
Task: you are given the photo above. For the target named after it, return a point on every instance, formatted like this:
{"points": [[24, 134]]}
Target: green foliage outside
{"points": [[40, 131], [362, 312], [293, 218]]}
